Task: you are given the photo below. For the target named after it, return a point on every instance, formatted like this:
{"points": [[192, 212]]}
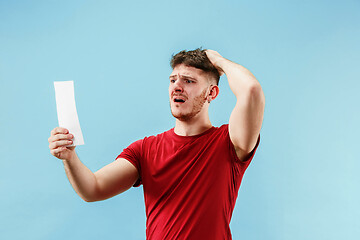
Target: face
{"points": [[188, 91]]}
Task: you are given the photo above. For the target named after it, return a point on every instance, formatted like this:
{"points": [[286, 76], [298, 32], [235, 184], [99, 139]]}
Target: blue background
{"points": [[304, 180]]}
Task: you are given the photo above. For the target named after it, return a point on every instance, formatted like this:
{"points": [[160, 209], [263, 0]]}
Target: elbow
{"points": [[88, 199], [92, 194], [255, 89], [256, 94]]}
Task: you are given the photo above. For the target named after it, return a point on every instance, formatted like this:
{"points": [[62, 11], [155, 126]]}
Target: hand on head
{"points": [[215, 58]]}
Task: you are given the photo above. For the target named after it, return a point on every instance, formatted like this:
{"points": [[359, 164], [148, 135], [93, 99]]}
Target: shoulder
{"points": [[165, 134], [224, 127], [217, 135], [149, 141], [223, 130]]}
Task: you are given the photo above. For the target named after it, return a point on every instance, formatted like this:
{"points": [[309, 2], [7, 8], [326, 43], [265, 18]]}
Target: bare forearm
{"points": [[81, 178], [240, 79]]}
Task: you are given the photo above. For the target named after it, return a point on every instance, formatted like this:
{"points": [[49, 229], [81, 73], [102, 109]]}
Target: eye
{"points": [[188, 81], [172, 80]]}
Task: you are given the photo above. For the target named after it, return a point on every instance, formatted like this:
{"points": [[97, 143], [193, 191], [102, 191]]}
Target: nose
{"points": [[178, 86]]}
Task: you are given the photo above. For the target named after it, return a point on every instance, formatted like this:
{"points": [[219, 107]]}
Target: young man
{"points": [[191, 174]]}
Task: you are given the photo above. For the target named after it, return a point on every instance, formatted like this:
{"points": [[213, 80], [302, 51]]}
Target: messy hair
{"points": [[196, 58]]}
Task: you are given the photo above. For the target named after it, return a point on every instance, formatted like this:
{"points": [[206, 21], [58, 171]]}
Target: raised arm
{"points": [[109, 181], [246, 118]]}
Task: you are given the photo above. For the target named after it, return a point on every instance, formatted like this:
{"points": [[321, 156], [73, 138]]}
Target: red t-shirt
{"points": [[190, 183]]}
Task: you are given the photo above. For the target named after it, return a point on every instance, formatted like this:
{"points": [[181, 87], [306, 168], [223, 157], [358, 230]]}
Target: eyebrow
{"points": [[183, 76]]}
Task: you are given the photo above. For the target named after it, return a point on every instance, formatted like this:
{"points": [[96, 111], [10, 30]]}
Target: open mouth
{"points": [[179, 100]]}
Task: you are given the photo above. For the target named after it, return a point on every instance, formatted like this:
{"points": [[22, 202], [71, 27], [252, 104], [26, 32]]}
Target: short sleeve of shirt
{"points": [[250, 156], [133, 154]]}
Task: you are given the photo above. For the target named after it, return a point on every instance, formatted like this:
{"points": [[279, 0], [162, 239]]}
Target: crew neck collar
{"points": [[172, 131]]}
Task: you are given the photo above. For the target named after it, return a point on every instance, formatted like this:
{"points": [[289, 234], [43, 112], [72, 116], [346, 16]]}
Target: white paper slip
{"points": [[66, 110]]}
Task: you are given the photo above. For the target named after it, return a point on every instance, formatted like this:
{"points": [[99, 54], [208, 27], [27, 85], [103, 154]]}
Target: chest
{"points": [[169, 166]]}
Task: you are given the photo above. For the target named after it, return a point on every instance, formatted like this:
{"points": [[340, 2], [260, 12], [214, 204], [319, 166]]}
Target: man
{"points": [[191, 174]]}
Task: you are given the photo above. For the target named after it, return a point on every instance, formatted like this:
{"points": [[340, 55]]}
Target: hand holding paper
{"points": [[66, 110]]}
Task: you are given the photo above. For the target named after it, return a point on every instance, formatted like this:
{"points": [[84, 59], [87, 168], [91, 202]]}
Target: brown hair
{"points": [[196, 58]]}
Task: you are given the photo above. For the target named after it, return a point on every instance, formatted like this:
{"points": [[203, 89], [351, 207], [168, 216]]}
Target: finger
{"points": [[58, 130], [57, 151], [71, 147], [62, 143], [59, 136]]}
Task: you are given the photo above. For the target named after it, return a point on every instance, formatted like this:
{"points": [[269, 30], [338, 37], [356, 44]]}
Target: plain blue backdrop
{"points": [[304, 180]]}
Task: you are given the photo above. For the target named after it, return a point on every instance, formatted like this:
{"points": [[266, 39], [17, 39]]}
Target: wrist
{"points": [[222, 65], [71, 157]]}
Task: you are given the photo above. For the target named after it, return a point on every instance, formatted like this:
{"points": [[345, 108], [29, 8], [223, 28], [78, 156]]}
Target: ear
{"points": [[213, 93]]}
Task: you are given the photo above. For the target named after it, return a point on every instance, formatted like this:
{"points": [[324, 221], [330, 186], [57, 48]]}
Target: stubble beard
{"points": [[197, 107]]}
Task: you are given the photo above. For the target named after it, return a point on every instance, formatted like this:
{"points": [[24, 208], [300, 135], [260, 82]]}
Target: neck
{"points": [[194, 126]]}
